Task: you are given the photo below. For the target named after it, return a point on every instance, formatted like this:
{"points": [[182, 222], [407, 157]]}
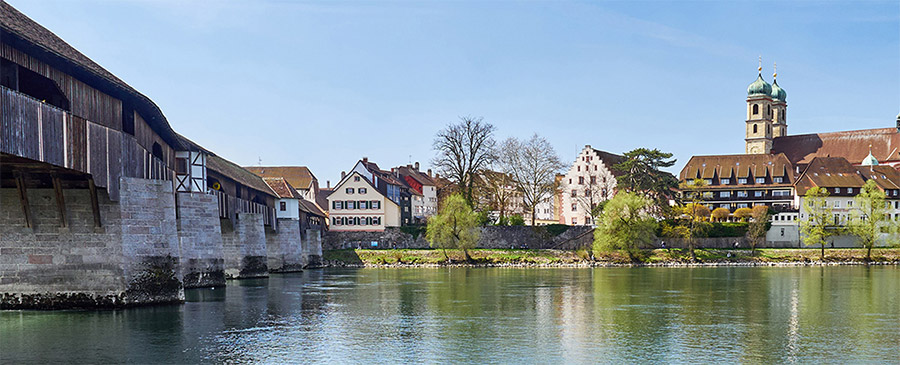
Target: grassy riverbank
{"points": [[490, 257]]}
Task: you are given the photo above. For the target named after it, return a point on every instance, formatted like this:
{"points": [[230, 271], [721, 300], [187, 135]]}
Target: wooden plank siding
{"points": [[87, 138], [42, 132], [84, 100]]}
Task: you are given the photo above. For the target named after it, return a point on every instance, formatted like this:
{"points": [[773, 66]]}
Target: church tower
{"points": [[779, 107], [759, 116]]}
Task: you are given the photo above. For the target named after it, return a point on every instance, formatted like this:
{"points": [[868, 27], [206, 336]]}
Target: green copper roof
{"points": [[777, 92], [870, 160], [759, 87]]}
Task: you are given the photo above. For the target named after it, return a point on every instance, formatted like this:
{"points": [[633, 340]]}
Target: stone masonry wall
{"points": [[51, 267], [200, 238], [245, 247], [48, 266], [312, 248], [284, 247], [150, 241], [491, 237]]}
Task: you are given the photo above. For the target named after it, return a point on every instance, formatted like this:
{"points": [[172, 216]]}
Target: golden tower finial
{"points": [[774, 69], [760, 64]]}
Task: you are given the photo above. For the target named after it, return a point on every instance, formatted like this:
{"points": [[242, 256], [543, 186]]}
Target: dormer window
{"points": [[725, 181], [708, 181], [837, 190], [778, 179], [760, 180], [742, 180]]}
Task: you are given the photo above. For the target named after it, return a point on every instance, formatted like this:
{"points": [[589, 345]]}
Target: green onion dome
{"points": [[777, 92], [869, 160], [759, 87]]}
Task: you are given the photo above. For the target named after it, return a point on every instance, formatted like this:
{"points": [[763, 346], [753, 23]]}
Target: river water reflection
{"points": [[492, 315]]}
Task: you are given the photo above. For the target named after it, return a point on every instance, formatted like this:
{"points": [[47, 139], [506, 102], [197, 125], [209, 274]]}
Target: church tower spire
{"points": [[779, 106], [759, 124]]}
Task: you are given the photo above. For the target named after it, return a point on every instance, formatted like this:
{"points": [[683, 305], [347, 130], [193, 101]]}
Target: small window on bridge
{"points": [[39, 87], [157, 151]]}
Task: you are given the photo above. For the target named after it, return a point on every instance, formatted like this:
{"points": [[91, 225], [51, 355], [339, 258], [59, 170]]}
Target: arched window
{"points": [[769, 111], [754, 126], [755, 109], [768, 129]]}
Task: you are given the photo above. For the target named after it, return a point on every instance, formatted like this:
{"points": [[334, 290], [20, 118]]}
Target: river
{"points": [[492, 315]]}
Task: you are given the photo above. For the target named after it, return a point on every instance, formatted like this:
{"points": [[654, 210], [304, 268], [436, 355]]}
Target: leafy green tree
{"points": [[516, 220], [481, 217], [694, 217], [814, 227], [743, 214], [625, 224], [456, 226], [758, 227], [720, 214], [642, 174], [869, 217]]}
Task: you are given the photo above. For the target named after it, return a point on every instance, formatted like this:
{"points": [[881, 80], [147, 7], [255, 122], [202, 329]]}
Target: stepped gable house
{"points": [[590, 180]]}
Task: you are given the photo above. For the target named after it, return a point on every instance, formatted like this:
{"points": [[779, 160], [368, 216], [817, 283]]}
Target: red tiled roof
{"points": [[298, 176], [282, 188], [852, 145], [741, 166]]}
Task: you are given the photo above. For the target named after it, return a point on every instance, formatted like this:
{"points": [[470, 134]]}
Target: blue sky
{"points": [[323, 84]]}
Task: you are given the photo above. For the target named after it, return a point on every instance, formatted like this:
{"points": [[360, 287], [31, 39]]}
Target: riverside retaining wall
{"points": [[491, 237]]}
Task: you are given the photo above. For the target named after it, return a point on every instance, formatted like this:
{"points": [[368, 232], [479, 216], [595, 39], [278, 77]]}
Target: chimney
{"points": [[429, 172], [898, 122], [365, 160], [417, 162], [328, 184], [343, 174], [437, 176]]}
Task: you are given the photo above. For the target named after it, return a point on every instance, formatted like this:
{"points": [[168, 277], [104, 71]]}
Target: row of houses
{"points": [[102, 203], [368, 198]]}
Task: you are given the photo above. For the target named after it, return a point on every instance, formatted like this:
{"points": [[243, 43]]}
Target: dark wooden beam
{"points": [[23, 199], [60, 201], [95, 204]]}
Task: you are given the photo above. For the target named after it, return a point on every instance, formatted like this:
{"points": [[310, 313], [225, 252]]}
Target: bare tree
{"points": [[497, 191], [463, 149], [533, 165]]}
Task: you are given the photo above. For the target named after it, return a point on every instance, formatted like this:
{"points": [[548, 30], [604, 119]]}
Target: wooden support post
{"points": [[60, 201], [95, 205], [23, 199]]}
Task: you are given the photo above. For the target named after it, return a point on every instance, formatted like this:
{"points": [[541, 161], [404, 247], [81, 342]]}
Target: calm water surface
{"points": [[492, 315]]}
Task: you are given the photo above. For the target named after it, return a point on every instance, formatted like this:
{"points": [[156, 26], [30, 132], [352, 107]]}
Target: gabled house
{"points": [[357, 205], [590, 180], [424, 191]]}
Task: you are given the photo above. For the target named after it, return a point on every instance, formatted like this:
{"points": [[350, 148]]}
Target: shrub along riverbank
{"points": [[517, 257]]}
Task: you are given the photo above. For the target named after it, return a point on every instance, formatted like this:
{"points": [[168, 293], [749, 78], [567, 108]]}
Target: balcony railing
{"points": [[229, 206]]}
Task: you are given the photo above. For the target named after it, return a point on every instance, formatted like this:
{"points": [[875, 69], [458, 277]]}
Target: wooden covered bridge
{"points": [[101, 202]]}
